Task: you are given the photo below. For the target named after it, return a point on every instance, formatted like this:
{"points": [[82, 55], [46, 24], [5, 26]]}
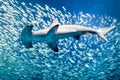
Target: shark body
{"points": [[57, 31]]}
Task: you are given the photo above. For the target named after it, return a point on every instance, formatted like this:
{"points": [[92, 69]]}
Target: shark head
{"points": [[26, 36]]}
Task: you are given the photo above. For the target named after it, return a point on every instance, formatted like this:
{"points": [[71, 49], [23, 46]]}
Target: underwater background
{"points": [[89, 58]]}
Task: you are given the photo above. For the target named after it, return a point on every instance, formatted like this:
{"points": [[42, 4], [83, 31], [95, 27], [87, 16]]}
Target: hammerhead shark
{"points": [[56, 31]]}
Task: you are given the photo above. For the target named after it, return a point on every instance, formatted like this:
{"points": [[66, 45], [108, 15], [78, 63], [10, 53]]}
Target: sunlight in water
{"points": [[84, 59]]}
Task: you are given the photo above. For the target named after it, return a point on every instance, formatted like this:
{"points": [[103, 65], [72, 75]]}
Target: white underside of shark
{"points": [[57, 31]]}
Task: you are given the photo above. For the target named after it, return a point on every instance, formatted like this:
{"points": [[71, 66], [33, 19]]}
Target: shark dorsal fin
{"points": [[55, 22], [53, 30]]}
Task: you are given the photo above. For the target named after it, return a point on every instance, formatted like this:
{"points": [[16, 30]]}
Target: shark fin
{"points": [[53, 46], [77, 37], [102, 31], [28, 44], [26, 36], [55, 22], [53, 30]]}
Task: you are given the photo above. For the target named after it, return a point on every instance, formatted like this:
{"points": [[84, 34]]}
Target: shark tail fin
{"points": [[102, 31], [26, 36]]}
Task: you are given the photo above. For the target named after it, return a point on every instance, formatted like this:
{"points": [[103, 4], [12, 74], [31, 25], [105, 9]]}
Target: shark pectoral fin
{"points": [[53, 46], [28, 45], [77, 37], [55, 22], [53, 30]]}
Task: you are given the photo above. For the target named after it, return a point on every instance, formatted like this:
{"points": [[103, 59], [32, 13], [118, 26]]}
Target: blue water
{"points": [[89, 58]]}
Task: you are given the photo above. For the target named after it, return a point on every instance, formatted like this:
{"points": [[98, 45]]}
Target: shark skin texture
{"points": [[56, 32]]}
